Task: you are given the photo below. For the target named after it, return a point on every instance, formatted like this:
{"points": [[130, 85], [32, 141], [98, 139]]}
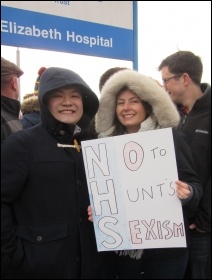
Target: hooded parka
{"points": [[30, 109], [45, 232], [163, 115]]}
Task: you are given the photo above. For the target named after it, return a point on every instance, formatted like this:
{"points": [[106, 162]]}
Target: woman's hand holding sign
{"points": [[90, 216], [183, 190]]}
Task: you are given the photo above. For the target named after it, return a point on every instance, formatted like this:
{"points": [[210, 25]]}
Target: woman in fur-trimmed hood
{"points": [[163, 114], [131, 102]]}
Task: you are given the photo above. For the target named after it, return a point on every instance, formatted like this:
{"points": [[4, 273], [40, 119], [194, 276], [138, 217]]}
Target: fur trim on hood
{"points": [[30, 104], [164, 112]]}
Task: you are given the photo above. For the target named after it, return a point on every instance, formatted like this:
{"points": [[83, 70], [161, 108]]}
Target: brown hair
{"points": [[106, 75], [184, 62]]}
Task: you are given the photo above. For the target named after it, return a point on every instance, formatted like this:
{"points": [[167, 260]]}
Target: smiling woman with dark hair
{"points": [[129, 103]]}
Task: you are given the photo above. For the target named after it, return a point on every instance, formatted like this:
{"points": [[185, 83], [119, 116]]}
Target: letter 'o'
{"points": [[137, 150]]}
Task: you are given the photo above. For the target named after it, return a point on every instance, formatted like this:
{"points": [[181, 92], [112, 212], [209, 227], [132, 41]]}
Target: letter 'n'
{"points": [[101, 160]]}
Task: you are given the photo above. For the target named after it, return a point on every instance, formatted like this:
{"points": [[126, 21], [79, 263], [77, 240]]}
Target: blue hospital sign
{"points": [[96, 28]]}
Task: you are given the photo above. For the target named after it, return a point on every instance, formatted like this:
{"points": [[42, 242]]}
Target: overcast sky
{"points": [[163, 28]]}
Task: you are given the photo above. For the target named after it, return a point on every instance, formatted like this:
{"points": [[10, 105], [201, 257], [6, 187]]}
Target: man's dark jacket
{"points": [[10, 109], [45, 229], [197, 127]]}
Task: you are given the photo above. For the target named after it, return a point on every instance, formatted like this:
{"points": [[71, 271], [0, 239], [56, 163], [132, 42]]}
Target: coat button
{"points": [[81, 220], [39, 238], [78, 259], [62, 132], [79, 182]]}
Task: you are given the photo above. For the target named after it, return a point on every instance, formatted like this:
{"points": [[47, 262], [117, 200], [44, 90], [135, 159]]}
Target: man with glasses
{"points": [[165, 81], [10, 105], [181, 73]]}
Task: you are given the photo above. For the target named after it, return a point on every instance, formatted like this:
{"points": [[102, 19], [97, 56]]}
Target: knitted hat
{"points": [[40, 72]]}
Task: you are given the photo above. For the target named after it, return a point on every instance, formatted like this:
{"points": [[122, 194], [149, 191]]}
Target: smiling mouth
{"points": [[128, 116], [67, 112]]}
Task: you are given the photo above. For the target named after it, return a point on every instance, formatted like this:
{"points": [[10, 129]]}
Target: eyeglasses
{"points": [[165, 81]]}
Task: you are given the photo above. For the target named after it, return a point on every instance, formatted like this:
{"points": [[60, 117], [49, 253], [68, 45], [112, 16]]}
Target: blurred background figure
{"points": [[30, 111], [10, 104], [30, 107]]}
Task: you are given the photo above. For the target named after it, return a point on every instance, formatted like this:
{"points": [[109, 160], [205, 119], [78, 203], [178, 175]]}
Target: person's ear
{"points": [[14, 83], [186, 79]]}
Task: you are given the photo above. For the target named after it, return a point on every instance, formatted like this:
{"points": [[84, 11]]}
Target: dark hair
{"points": [[103, 79], [184, 62], [106, 75], [119, 129]]}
